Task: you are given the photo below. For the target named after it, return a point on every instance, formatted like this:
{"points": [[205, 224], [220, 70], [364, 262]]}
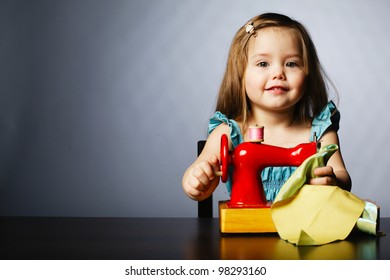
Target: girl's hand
{"points": [[201, 180], [324, 176]]}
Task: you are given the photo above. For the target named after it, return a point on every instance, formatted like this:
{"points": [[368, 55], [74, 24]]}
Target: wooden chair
{"points": [[205, 207]]}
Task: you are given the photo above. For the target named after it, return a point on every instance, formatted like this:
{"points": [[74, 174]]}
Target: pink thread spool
{"points": [[256, 133]]}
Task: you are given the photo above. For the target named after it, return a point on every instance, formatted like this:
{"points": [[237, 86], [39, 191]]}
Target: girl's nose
{"points": [[278, 73]]}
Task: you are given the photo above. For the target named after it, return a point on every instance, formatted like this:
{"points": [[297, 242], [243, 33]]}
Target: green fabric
{"points": [[367, 222], [299, 177]]}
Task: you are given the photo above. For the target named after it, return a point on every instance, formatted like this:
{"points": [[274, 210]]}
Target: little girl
{"points": [[273, 79]]}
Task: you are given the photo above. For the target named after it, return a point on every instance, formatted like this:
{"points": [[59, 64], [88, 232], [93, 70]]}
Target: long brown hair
{"points": [[232, 99]]}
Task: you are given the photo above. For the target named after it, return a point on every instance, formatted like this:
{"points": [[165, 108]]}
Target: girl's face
{"points": [[275, 75]]}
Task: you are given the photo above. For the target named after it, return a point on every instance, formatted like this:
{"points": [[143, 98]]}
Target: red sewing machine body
{"points": [[248, 160]]}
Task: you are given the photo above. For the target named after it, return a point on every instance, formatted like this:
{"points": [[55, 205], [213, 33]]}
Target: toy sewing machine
{"points": [[248, 210]]}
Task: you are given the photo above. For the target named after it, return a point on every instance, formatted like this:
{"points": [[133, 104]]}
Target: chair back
{"points": [[205, 207]]}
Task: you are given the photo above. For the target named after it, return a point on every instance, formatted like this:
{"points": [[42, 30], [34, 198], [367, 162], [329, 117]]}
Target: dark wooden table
{"points": [[62, 238]]}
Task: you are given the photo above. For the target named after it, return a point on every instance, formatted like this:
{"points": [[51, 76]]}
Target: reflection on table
{"points": [[166, 238]]}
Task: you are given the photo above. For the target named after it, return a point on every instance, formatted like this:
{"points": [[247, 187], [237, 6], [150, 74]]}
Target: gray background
{"points": [[102, 102]]}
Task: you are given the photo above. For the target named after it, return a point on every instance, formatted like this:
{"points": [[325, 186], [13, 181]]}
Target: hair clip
{"points": [[250, 29]]}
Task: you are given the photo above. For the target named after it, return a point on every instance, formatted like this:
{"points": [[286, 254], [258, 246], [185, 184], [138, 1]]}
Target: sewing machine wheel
{"points": [[224, 158]]}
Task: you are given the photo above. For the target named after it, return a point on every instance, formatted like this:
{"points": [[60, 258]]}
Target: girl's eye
{"points": [[262, 64], [292, 64]]}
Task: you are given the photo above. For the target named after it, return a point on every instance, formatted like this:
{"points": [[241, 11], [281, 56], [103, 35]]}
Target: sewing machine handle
{"points": [[225, 158]]}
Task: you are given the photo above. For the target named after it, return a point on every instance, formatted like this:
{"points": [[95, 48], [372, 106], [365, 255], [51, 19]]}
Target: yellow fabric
{"points": [[315, 215]]}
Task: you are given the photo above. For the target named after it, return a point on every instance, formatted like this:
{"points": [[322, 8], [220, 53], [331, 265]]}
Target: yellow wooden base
{"points": [[245, 220]]}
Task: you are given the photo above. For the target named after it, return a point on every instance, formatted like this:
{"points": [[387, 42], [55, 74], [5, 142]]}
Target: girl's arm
{"points": [[199, 180], [335, 172]]}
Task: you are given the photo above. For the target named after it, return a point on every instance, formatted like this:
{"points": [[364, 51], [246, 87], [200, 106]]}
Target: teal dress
{"points": [[273, 178]]}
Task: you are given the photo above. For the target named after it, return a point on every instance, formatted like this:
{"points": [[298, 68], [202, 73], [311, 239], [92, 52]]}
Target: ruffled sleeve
{"points": [[328, 117], [235, 131]]}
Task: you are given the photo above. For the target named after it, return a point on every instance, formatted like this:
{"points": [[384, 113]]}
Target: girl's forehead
{"points": [[275, 37]]}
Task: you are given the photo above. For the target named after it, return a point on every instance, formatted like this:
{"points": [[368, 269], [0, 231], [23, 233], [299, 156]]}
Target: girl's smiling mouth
{"points": [[277, 89]]}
